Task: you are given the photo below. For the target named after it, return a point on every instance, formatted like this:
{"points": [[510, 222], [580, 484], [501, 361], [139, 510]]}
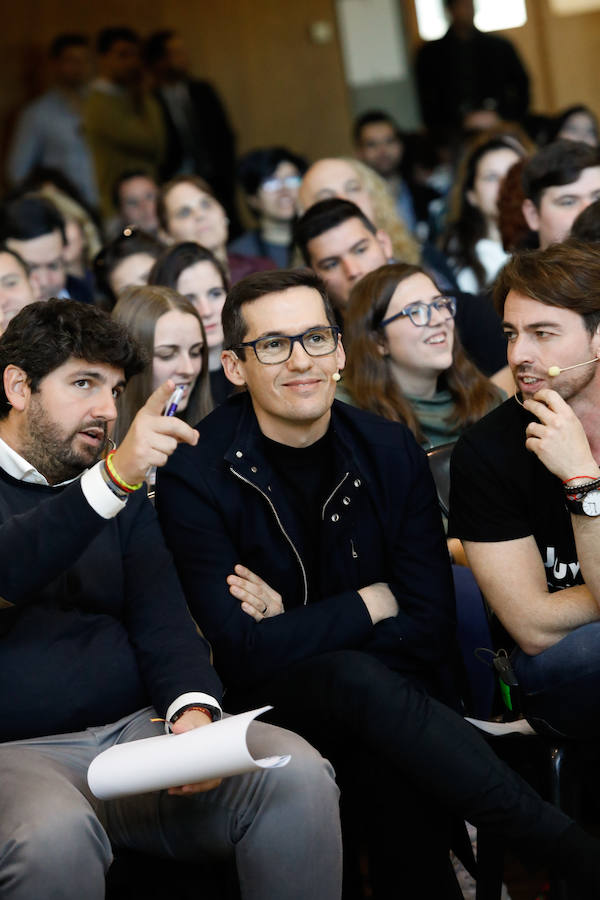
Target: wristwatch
{"points": [[588, 505]]}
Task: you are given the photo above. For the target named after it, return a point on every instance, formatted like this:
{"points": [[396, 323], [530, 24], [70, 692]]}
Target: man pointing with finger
{"points": [[309, 543], [526, 486], [96, 642]]}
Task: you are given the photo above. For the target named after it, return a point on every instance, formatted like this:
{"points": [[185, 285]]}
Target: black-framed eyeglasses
{"points": [[277, 348], [420, 313]]}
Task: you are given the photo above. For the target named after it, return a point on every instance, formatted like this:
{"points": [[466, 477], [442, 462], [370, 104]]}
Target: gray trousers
{"points": [[279, 826]]}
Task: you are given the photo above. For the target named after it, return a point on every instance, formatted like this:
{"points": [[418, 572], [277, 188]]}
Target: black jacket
{"points": [[220, 504]]}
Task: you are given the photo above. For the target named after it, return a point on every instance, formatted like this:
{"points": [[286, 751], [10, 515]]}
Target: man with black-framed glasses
{"points": [[309, 544]]}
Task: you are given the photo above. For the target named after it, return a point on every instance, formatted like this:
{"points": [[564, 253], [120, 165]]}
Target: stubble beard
{"points": [[52, 452]]}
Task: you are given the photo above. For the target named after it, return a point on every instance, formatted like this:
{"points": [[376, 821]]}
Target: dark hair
{"points": [[30, 216], [127, 176], [138, 310], [586, 226], [258, 285], [559, 121], [165, 189], [557, 164], [176, 259], [130, 241], [467, 224], [566, 275], [155, 47], [45, 334], [64, 42], [368, 376], [109, 36], [323, 216], [256, 166], [373, 117]]}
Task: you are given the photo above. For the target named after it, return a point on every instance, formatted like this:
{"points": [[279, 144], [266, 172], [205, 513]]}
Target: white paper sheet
{"points": [[171, 760]]}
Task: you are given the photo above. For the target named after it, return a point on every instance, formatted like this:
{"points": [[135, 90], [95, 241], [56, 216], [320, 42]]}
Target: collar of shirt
{"points": [[14, 465]]}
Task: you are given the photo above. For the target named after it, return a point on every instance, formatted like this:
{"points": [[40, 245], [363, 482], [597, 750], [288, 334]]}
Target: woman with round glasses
{"points": [[189, 211], [405, 361], [270, 178]]}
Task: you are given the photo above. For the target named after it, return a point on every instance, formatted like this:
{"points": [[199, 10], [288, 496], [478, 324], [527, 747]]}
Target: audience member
{"points": [[339, 242], [469, 74], [135, 194], [124, 262], [576, 123], [97, 641], [197, 274], [345, 619], [123, 122], [170, 331], [189, 211], [270, 178], [200, 140], [49, 132], [349, 179], [379, 144], [33, 227], [525, 482], [559, 181], [405, 360], [16, 290], [472, 240], [405, 363]]}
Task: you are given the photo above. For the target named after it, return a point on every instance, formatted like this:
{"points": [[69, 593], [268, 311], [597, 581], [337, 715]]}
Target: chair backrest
{"points": [[439, 463]]}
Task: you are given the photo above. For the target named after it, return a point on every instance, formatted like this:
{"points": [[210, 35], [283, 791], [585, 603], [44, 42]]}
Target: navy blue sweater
{"points": [[93, 622]]}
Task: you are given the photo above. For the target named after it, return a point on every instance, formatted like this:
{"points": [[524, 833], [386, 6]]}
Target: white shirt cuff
{"points": [[195, 697], [99, 495]]}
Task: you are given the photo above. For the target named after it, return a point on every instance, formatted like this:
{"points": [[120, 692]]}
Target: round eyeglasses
{"points": [[291, 182], [420, 313], [277, 348]]}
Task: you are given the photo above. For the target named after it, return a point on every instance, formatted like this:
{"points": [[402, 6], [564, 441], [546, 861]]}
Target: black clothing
{"points": [[209, 141], [456, 76], [480, 330], [500, 491], [94, 625]]}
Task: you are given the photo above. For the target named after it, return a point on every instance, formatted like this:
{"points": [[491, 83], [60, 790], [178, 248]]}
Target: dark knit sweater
{"points": [[93, 622]]}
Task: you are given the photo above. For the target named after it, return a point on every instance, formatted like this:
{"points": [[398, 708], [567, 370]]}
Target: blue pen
{"points": [[174, 400]]}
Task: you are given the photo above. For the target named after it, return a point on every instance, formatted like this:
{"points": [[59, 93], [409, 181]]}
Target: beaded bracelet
{"points": [[129, 488], [185, 709], [580, 490]]}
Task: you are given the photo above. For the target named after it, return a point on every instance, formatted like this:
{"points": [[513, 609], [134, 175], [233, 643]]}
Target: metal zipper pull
{"points": [[354, 553]]}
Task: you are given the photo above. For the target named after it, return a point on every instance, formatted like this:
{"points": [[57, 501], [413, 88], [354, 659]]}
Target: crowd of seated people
{"points": [[355, 315]]}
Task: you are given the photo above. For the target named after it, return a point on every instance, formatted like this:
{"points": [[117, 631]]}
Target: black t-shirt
{"points": [[307, 477], [500, 491]]}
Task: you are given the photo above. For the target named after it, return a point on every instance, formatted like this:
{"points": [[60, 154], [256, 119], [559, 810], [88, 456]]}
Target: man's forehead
{"points": [[588, 180], [74, 365], [42, 249], [337, 240], [283, 311], [522, 309]]}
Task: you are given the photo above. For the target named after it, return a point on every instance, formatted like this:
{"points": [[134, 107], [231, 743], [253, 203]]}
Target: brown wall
{"points": [[276, 83]]}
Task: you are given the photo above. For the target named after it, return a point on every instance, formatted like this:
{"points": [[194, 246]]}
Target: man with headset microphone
{"points": [[525, 497]]}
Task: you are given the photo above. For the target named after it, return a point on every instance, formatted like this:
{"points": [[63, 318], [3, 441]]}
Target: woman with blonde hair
{"points": [[170, 330]]}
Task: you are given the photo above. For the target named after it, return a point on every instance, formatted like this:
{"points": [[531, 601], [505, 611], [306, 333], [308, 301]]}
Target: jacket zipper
{"points": [[283, 531], [334, 491]]}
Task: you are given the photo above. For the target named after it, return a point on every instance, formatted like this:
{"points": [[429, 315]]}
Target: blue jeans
{"points": [[560, 687]]}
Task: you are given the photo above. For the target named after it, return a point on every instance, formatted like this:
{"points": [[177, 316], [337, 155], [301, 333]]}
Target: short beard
{"points": [[51, 452]]}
